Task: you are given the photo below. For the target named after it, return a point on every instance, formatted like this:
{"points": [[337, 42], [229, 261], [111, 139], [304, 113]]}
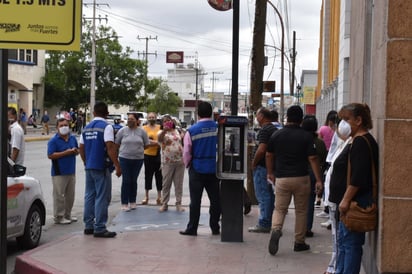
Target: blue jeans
{"points": [[349, 255], [130, 172], [265, 196], [97, 196], [312, 198]]}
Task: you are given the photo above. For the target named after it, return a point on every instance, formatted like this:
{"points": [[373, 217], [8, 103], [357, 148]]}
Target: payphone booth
{"points": [[232, 170]]}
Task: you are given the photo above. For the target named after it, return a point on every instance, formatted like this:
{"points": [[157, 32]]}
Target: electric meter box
{"points": [[232, 148]]}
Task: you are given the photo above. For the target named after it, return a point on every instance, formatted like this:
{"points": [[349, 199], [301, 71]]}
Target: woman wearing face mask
{"points": [[132, 141], [339, 141], [362, 152], [62, 149], [152, 159]]}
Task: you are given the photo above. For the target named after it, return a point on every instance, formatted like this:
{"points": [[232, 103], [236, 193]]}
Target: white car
{"points": [[26, 212]]}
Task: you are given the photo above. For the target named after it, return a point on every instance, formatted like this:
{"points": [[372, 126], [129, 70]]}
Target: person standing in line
{"points": [[152, 161], [263, 189], [288, 153], [275, 117], [17, 143], [199, 155], [310, 124], [45, 123], [173, 169], [62, 150], [99, 154], [132, 141], [23, 120], [362, 152]]}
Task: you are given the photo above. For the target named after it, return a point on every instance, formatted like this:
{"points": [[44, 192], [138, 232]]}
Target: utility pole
{"points": [[258, 57], [93, 63], [293, 58], [146, 54], [213, 86]]}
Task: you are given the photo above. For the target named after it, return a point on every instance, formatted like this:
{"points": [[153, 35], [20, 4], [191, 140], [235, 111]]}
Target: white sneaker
{"points": [[63, 221], [322, 214], [326, 224]]}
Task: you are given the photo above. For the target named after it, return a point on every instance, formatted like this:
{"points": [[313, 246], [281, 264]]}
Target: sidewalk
{"points": [[149, 242]]}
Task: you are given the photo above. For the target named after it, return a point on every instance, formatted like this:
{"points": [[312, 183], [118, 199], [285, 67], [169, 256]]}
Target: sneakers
{"points": [[163, 208], [179, 208], [259, 229], [274, 241], [125, 208], [62, 221], [322, 214], [301, 247], [326, 224]]}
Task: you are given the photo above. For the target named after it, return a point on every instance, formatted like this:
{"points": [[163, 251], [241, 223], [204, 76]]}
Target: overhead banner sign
{"points": [[40, 24]]}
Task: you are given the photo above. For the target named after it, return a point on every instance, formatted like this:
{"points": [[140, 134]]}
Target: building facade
{"points": [[365, 56], [26, 69]]}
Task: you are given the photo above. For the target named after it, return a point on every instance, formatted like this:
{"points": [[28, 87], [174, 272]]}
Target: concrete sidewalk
{"points": [[149, 242]]}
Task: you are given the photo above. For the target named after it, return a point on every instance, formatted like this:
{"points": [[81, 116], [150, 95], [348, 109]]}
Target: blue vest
{"points": [[94, 145], [204, 142]]}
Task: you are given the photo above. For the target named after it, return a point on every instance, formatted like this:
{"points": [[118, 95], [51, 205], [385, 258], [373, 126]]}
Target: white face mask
{"points": [[344, 129], [64, 130]]}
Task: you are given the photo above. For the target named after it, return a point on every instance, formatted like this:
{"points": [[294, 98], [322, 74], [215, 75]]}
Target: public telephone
{"points": [[232, 142]]}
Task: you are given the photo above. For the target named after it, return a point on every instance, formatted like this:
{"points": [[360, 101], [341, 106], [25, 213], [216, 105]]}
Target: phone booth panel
{"points": [[232, 145]]}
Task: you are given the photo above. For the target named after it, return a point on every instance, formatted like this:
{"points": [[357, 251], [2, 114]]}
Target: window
{"points": [[23, 55]]}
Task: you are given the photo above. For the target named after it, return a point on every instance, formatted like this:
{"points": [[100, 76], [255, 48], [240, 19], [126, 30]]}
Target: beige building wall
{"points": [[380, 75]]}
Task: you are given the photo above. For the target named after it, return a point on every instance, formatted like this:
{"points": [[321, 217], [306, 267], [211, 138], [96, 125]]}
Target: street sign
{"points": [[40, 24]]}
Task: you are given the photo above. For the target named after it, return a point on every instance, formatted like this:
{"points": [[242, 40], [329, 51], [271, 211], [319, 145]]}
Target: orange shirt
{"points": [[152, 132]]}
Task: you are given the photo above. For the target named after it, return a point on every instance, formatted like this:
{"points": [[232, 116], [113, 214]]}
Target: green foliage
{"points": [[165, 100], [119, 78]]}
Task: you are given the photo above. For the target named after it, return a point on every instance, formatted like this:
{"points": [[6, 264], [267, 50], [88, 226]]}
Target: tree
{"points": [[119, 78], [165, 100]]}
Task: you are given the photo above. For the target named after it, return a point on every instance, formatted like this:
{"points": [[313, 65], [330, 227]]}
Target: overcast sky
{"points": [[196, 28]]}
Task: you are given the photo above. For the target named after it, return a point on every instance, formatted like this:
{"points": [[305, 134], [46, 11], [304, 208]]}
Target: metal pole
{"points": [[235, 58], [282, 60], [93, 64], [4, 163]]}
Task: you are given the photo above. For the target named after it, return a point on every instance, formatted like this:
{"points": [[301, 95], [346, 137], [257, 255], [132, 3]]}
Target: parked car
{"points": [[26, 211]]}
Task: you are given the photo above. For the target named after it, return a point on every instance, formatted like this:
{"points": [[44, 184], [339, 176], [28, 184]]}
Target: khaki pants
{"points": [[172, 172], [299, 187], [63, 195]]}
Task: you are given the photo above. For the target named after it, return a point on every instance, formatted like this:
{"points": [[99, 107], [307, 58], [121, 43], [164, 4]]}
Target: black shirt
{"points": [[291, 147], [263, 137], [361, 173]]}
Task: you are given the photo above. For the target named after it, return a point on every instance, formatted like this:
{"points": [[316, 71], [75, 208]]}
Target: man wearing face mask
{"points": [[62, 150], [17, 145]]}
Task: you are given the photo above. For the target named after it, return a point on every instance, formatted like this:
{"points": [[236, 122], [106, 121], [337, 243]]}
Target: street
{"points": [[38, 166]]}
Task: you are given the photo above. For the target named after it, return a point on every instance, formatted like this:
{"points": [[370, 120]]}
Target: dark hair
{"points": [[12, 110], [359, 110], [310, 123], [100, 109], [135, 115], [294, 114], [60, 120], [331, 117], [204, 110], [275, 115], [265, 112]]}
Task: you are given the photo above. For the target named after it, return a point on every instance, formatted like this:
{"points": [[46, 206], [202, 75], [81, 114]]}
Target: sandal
{"points": [[145, 201], [158, 201]]}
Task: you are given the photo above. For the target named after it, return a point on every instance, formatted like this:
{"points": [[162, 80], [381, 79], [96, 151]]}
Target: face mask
{"points": [[131, 123], [344, 129], [64, 130], [168, 124], [152, 121]]}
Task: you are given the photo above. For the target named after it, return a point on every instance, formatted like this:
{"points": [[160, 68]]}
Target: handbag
{"points": [[357, 218]]}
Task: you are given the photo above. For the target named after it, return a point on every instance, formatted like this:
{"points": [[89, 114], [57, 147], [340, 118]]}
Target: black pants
{"points": [[152, 167], [198, 182]]}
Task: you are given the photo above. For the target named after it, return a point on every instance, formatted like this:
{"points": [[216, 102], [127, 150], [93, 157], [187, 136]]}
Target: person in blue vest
{"points": [[62, 150], [199, 156], [99, 154]]}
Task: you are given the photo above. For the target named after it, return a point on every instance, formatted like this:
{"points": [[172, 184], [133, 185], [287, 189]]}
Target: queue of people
{"points": [[288, 162]]}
